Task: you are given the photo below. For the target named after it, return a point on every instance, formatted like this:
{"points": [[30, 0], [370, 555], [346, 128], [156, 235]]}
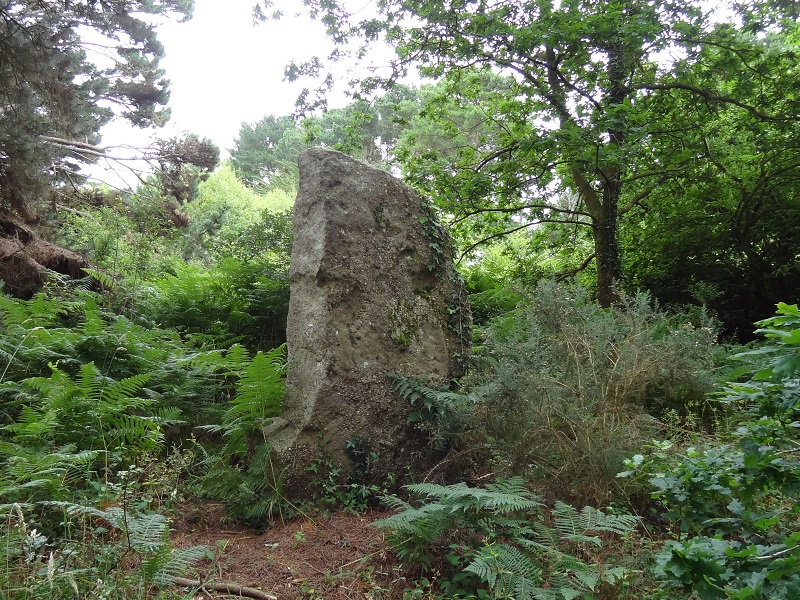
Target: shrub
{"points": [[562, 390], [734, 501], [567, 388]]}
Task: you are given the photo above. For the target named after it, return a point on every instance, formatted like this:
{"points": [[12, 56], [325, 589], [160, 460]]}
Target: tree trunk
{"points": [[606, 246]]}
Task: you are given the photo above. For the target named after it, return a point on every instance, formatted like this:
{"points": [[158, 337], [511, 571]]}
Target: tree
{"points": [[183, 163], [265, 154], [725, 233], [592, 104], [65, 68]]}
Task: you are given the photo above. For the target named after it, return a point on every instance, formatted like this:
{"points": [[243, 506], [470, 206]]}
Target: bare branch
{"points": [[233, 589], [96, 150]]}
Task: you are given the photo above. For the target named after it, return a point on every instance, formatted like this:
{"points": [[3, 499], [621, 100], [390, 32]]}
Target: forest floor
{"points": [[330, 556]]}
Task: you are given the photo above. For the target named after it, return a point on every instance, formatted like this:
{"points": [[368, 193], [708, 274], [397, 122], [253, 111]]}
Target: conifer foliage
{"points": [[64, 65]]}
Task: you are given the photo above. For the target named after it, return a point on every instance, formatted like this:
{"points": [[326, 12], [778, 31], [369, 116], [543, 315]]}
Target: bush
{"points": [[87, 400], [735, 501], [562, 390], [565, 388]]}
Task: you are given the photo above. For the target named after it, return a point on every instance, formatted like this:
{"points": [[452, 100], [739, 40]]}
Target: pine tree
{"points": [[65, 68]]}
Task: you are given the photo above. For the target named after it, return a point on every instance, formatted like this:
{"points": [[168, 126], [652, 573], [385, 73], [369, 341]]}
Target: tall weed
{"points": [[116, 552]]}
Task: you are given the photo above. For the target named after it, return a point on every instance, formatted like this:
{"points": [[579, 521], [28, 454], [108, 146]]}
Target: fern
{"points": [[161, 568], [570, 523], [106, 280], [441, 413], [73, 333], [241, 473], [509, 572], [29, 474], [91, 411], [510, 542], [259, 394]]}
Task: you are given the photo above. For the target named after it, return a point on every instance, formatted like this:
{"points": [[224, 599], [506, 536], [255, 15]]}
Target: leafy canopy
{"points": [[602, 100]]}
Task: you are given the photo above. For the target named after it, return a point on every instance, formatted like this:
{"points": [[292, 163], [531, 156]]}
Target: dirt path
{"points": [[328, 557]]}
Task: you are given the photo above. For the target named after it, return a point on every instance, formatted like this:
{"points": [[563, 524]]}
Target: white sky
{"points": [[223, 71]]}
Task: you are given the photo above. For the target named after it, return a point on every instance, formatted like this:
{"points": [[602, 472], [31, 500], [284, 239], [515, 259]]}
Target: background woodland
{"points": [[622, 184]]}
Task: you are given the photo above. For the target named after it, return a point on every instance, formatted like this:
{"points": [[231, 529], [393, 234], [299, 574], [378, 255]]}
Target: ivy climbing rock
{"points": [[374, 292]]}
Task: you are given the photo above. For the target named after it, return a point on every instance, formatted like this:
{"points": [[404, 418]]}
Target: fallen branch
{"points": [[228, 588]]}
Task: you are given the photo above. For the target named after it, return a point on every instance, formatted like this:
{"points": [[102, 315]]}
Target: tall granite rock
{"points": [[373, 292]]}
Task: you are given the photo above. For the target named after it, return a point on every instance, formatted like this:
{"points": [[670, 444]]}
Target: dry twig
{"points": [[226, 587]]}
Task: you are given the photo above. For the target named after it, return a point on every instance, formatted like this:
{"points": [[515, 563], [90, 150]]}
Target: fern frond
{"points": [[163, 568], [90, 382], [121, 391], [103, 278], [6, 510], [395, 503], [260, 389], [75, 509], [571, 523], [504, 497], [169, 415], [508, 572], [410, 520], [237, 358], [134, 431], [146, 533]]}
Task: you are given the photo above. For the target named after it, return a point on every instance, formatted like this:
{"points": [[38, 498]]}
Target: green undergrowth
{"points": [[561, 390], [96, 446], [498, 541], [733, 499], [109, 422]]}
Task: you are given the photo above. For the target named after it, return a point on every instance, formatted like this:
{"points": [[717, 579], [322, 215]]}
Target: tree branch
{"points": [[497, 154], [585, 263], [636, 200], [514, 209], [234, 589], [588, 192], [712, 98], [492, 237], [514, 230], [83, 146]]}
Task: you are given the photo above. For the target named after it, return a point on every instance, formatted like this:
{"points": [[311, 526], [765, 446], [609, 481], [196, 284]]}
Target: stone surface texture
{"points": [[373, 292]]}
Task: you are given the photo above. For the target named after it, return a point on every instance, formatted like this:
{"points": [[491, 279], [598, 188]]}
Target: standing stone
{"points": [[373, 292]]}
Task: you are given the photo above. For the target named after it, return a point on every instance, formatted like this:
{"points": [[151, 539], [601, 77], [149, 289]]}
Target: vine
{"points": [[459, 321]]}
